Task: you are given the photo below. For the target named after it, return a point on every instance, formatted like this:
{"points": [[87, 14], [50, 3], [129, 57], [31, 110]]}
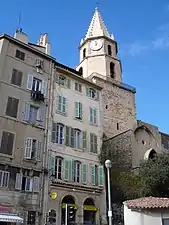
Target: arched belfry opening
{"points": [[89, 212], [150, 154]]}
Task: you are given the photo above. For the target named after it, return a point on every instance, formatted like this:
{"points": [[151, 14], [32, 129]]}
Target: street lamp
{"points": [[108, 166]]}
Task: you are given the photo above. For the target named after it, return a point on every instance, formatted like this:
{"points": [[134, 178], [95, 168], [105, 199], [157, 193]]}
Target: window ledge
{"points": [[78, 149], [80, 120], [6, 156], [92, 153], [61, 113], [93, 124], [31, 160]]}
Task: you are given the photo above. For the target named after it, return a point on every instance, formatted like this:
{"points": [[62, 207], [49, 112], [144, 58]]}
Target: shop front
{"points": [[7, 218]]}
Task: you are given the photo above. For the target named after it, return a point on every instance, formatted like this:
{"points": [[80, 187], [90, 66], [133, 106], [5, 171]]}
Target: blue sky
{"points": [[141, 29]]}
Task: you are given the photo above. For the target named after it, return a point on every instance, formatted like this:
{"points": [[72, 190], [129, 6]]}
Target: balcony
{"points": [[37, 96]]}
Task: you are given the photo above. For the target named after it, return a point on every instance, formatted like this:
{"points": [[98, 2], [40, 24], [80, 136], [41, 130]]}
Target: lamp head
{"points": [[108, 164]]}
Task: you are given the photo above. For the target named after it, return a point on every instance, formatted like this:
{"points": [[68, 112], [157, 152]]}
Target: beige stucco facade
{"points": [[20, 197]]}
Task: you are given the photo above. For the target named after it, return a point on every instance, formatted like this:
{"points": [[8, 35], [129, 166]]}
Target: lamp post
{"points": [[108, 166]]}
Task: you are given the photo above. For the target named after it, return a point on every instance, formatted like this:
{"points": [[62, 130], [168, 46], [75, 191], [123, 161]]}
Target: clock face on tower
{"points": [[96, 45]]}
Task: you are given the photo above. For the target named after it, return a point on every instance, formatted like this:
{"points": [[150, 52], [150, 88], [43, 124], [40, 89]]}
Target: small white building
{"points": [[146, 211]]}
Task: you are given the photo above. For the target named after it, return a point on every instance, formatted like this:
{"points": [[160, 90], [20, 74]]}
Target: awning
{"points": [[12, 218]]}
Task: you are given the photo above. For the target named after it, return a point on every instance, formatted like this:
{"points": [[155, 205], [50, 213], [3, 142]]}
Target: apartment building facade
{"points": [[75, 139], [25, 72]]}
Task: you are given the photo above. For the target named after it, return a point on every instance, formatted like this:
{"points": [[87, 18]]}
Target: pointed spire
{"points": [[97, 26]]}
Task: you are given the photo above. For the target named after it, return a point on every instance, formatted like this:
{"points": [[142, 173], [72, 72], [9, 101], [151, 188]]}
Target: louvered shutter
{"points": [[41, 113], [29, 82], [26, 111], [53, 137], [84, 145], [38, 150], [76, 109], [87, 91], [66, 169], [44, 88], [59, 103], [18, 181], [95, 143], [101, 175], [28, 148], [67, 140], [93, 174], [52, 165], [80, 110], [36, 181], [71, 169], [68, 83], [72, 138], [84, 173], [95, 116], [97, 95]]}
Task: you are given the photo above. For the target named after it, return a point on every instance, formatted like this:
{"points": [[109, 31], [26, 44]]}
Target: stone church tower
{"points": [[99, 62]]}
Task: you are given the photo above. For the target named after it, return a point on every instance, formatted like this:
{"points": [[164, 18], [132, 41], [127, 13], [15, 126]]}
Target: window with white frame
{"points": [[77, 170], [57, 133], [58, 168], [93, 143], [4, 178], [78, 110], [33, 149], [77, 139], [93, 115], [27, 183], [64, 81], [35, 84], [34, 114], [61, 104], [78, 87], [92, 93]]}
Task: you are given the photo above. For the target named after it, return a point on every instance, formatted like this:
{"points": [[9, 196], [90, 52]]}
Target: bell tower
{"points": [[98, 51]]}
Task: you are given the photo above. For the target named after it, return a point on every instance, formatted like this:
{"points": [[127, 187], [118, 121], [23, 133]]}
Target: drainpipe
{"points": [[45, 175]]}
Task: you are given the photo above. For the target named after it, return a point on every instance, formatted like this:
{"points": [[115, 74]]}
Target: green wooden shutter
{"points": [[84, 173], [67, 140], [53, 137], [91, 143], [68, 83], [72, 138], [87, 91], [52, 165], [59, 104], [95, 143], [93, 174], [76, 109], [90, 115], [84, 145], [66, 169], [63, 104], [95, 116], [71, 169], [97, 95], [80, 110], [101, 175]]}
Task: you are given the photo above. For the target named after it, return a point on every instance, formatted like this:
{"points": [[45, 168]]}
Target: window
{"points": [[7, 143], [57, 133], [34, 114], [33, 149], [61, 80], [109, 50], [77, 138], [77, 171], [84, 53], [27, 183], [165, 221], [81, 70], [78, 110], [117, 126], [93, 116], [90, 92], [58, 168], [93, 143], [31, 220], [78, 87], [61, 105], [4, 178], [20, 55], [12, 107], [112, 72], [35, 84], [16, 78]]}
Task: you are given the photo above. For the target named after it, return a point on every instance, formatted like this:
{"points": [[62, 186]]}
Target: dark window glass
{"points": [[20, 55], [16, 77], [112, 72], [109, 50], [84, 53]]}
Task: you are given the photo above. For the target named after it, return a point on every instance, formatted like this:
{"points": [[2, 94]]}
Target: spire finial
{"points": [[97, 4]]}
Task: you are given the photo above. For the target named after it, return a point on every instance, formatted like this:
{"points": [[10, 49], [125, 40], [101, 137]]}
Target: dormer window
{"points": [[109, 50], [84, 53], [112, 71]]}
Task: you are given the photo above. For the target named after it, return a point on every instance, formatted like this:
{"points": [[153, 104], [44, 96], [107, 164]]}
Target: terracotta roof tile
{"points": [[148, 203]]}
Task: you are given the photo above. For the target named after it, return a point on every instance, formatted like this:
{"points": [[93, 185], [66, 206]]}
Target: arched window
{"points": [[109, 50], [84, 53], [112, 72], [81, 70]]}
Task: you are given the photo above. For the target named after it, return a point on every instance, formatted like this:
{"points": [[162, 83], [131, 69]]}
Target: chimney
{"points": [[43, 41], [21, 36]]}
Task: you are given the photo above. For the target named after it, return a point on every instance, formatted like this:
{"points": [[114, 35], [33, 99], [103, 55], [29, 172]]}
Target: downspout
{"points": [[45, 175]]}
